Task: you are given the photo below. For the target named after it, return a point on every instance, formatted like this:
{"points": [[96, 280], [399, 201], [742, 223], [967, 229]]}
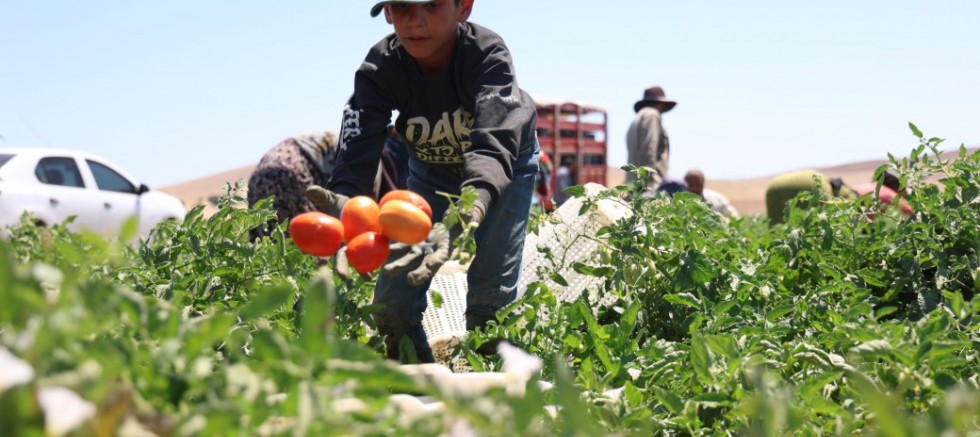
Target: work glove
{"points": [[343, 268], [424, 259], [325, 200]]}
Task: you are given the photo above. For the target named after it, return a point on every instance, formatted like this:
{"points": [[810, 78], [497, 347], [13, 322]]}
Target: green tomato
{"points": [[639, 271], [651, 271], [632, 272], [605, 255]]}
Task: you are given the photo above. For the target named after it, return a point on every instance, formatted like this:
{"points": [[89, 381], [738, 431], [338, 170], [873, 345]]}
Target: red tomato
{"points": [[404, 222], [360, 215], [410, 197], [367, 252], [316, 233]]}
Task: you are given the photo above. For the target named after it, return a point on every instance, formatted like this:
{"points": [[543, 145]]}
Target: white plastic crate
{"points": [[571, 238]]}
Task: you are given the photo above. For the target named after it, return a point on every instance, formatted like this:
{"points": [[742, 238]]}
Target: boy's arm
{"points": [[362, 138], [503, 118]]}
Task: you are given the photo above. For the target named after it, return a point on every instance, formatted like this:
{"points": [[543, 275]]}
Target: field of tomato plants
{"points": [[828, 324]]}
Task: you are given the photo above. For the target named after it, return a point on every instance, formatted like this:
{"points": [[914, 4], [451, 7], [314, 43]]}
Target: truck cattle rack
{"points": [[574, 132]]}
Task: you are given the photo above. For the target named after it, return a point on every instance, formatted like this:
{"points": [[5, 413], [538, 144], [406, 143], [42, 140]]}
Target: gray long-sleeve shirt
{"points": [[473, 117], [648, 146]]}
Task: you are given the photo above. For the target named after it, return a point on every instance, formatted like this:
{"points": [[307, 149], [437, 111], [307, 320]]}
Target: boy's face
{"points": [[428, 30]]}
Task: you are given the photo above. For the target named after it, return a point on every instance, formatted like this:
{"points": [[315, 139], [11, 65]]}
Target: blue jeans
{"points": [[495, 269]]}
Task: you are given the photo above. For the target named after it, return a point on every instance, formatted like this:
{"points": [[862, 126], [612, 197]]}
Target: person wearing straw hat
{"points": [[646, 140]]}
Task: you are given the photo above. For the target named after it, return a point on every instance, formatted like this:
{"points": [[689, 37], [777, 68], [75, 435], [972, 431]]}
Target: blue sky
{"points": [[177, 90]]}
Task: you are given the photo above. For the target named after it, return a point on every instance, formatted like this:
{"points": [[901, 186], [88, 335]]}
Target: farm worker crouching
{"points": [[890, 189], [467, 124], [784, 187], [886, 196], [719, 203], [286, 170], [671, 186]]}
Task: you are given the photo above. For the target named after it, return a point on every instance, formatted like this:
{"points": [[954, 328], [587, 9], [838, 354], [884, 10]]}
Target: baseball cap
{"points": [[376, 9]]}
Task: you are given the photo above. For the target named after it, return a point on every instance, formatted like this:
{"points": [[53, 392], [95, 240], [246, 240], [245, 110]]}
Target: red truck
{"points": [[574, 133]]}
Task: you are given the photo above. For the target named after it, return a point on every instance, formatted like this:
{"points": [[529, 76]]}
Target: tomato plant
{"points": [[410, 197], [694, 325], [360, 215], [367, 251], [316, 233], [404, 222]]}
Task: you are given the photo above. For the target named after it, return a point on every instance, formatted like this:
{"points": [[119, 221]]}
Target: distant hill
{"points": [[206, 190], [747, 195]]}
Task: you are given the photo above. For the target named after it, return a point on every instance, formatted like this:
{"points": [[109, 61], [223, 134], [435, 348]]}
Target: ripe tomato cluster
{"points": [[366, 227]]}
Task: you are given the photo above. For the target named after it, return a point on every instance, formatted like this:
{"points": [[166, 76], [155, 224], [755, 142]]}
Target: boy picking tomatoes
{"points": [[467, 124]]}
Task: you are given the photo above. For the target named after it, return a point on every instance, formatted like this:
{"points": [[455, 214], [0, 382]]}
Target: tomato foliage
{"points": [[826, 324]]}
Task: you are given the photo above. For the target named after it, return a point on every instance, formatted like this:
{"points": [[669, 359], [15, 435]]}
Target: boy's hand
{"points": [[343, 268], [426, 258], [325, 200]]}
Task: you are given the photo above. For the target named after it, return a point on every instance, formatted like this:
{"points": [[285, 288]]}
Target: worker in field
{"points": [[286, 170], [887, 193], [647, 143], [543, 184], [784, 187], [671, 186], [694, 179], [297, 162], [566, 176], [467, 123]]}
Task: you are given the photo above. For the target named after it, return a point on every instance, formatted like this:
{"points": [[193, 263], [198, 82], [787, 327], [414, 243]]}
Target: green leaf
{"points": [[572, 341], [436, 297], [700, 360], [575, 417], [269, 345], [712, 399], [670, 401], [928, 300], [317, 312], [585, 269], [558, 279], [129, 229], [265, 302], [915, 130], [935, 327], [627, 322], [698, 269], [873, 277], [686, 299], [813, 385], [575, 191], [723, 345], [956, 304], [586, 313], [873, 348], [634, 397], [885, 311], [779, 311], [888, 415], [602, 352]]}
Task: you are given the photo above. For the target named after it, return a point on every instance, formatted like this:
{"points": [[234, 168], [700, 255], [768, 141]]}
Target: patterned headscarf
{"points": [[320, 147]]}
